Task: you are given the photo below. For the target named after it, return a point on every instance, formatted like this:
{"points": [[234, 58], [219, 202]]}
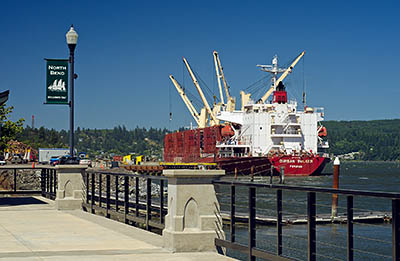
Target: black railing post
{"points": [[350, 245], [15, 180], [108, 194], [162, 201], [137, 196], [100, 189], [92, 196], [116, 193], [42, 181], [233, 192], [148, 203], [396, 229], [87, 188], [55, 182], [279, 222], [51, 181], [126, 199], [252, 222], [47, 180], [312, 232]]}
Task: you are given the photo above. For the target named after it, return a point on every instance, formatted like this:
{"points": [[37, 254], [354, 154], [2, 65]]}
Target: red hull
{"points": [[305, 165], [199, 146]]}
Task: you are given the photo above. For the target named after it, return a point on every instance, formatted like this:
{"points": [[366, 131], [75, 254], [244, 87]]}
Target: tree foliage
{"points": [[118, 140], [9, 129], [374, 140]]}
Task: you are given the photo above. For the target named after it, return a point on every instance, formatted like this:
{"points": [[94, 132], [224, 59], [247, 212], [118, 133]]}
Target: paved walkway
{"points": [[31, 229]]}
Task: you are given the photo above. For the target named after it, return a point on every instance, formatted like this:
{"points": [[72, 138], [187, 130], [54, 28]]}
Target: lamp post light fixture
{"points": [[72, 39]]}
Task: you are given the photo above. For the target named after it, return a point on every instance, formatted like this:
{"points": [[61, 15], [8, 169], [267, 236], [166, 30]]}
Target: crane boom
{"points": [[218, 76], [203, 98], [217, 61], [186, 100], [282, 77]]}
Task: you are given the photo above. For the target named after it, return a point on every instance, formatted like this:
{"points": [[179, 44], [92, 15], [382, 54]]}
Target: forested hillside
{"points": [[374, 140], [119, 140]]}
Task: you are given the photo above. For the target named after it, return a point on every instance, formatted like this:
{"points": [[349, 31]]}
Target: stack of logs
{"points": [[16, 147]]}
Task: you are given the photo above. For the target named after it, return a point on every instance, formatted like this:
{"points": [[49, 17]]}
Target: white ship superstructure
{"points": [[276, 127]]}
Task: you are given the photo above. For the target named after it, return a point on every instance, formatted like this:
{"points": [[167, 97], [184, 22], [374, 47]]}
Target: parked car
{"points": [[86, 162], [2, 160], [68, 160], [54, 160]]}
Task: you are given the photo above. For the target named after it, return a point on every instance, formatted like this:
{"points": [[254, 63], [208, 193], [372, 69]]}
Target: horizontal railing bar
{"points": [[373, 239], [235, 246], [266, 255], [142, 204], [371, 253], [378, 194], [127, 174], [121, 215], [328, 257], [19, 192], [17, 168]]}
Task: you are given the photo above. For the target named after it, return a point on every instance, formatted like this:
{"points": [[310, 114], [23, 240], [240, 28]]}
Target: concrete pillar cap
{"points": [[192, 173]]}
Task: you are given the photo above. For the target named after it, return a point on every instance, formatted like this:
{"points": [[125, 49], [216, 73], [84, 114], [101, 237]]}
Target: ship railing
{"points": [[285, 222], [136, 199]]}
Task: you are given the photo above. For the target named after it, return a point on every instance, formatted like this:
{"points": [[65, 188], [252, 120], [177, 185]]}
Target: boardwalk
{"points": [[31, 229]]}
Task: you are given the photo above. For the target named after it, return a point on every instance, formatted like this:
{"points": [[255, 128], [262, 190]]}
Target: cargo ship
{"points": [[263, 136]]}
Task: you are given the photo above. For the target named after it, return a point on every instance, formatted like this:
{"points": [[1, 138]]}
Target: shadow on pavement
{"points": [[16, 201]]}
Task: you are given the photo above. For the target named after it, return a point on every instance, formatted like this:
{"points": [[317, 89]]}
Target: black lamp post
{"points": [[72, 39]]}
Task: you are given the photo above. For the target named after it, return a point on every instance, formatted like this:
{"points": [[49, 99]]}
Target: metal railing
{"points": [[17, 180], [261, 219], [135, 199], [49, 182]]}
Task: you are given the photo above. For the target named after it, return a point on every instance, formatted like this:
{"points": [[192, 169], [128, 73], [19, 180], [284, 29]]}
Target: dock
{"points": [[361, 217]]}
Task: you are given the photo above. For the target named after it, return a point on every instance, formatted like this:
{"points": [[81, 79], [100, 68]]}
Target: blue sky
{"points": [[127, 49]]}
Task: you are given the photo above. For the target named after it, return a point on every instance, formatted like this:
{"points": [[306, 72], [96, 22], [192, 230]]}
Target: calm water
{"points": [[331, 238]]}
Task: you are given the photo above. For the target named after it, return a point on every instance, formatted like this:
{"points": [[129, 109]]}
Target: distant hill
{"points": [[374, 140]]}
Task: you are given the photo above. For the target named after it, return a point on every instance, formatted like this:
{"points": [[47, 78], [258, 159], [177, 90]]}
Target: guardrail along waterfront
{"points": [[362, 230], [23, 180], [136, 199]]}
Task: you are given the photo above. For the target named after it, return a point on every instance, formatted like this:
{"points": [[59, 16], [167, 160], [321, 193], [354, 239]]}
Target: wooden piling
{"points": [[271, 173], [336, 172], [282, 176]]}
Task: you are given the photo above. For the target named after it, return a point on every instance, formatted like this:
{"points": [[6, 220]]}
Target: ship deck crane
{"points": [[275, 70], [220, 75], [214, 120], [186, 100]]}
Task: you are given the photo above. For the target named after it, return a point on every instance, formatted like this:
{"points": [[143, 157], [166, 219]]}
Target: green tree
{"points": [[8, 128]]}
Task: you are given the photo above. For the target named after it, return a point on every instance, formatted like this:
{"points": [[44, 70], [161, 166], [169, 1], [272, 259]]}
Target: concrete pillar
{"points": [[193, 220], [70, 186]]}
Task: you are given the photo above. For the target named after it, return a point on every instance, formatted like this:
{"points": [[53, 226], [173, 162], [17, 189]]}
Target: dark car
{"points": [[68, 160]]}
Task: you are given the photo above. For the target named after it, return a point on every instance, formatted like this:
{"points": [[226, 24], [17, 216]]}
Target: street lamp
{"points": [[72, 39]]}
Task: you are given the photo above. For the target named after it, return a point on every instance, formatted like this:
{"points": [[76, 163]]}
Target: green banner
{"points": [[57, 81]]}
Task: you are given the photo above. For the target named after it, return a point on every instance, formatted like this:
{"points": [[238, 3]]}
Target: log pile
{"points": [[16, 147]]}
